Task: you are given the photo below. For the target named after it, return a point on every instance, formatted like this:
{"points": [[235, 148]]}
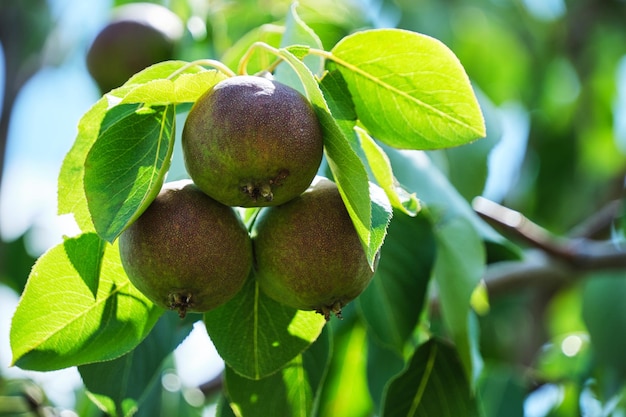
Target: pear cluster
{"points": [[248, 142]]}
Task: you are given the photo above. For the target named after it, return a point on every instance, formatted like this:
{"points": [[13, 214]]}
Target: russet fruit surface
{"points": [[187, 252], [308, 254], [252, 142]]}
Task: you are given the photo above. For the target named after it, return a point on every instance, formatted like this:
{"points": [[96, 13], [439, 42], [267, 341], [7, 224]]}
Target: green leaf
{"points": [[78, 307], [256, 336], [125, 168], [433, 384], [367, 208], [161, 70], [459, 267], [299, 34], [186, 88], [409, 89], [121, 385], [393, 302], [71, 190], [381, 168], [290, 392]]}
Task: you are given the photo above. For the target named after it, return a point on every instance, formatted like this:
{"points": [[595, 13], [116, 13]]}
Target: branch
{"points": [[552, 260]]}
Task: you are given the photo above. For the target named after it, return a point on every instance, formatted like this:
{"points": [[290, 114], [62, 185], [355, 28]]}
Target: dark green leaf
{"points": [[382, 365], [501, 392], [409, 89], [120, 386], [392, 303], [433, 384], [79, 307], [125, 168], [256, 336]]}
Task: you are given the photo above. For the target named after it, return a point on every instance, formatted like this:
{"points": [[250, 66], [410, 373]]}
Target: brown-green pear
{"points": [[308, 254], [250, 141], [187, 252]]}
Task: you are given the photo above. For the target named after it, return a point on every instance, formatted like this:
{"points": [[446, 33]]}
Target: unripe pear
{"points": [[137, 36], [252, 142], [187, 252], [308, 254]]}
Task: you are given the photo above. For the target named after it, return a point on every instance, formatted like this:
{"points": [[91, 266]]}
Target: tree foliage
{"points": [[440, 130]]}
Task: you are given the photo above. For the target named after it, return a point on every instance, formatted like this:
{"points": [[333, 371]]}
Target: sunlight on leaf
{"points": [[126, 166], [59, 323], [409, 89], [257, 336], [381, 168]]}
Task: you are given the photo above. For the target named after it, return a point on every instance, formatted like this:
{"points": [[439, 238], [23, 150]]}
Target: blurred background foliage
{"points": [[551, 76]]}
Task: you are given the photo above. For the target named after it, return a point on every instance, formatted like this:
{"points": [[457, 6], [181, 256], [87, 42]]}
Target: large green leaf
{"points": [[410, 90], [368, 206], [126, 166], [256, 336], [79, 307], [433, 384], [290, 392], [392, 303], [121, 385]]}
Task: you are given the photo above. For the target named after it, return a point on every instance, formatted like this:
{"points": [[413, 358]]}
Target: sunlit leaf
{"points": [[256, 336], [79, 307], [126, 166], [381, 168], [409, 89]]}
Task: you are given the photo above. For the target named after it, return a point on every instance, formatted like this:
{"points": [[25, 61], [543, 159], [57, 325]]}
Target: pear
{"points": [[187, 252], [250, 141], [307, 252], [137, 36]]}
